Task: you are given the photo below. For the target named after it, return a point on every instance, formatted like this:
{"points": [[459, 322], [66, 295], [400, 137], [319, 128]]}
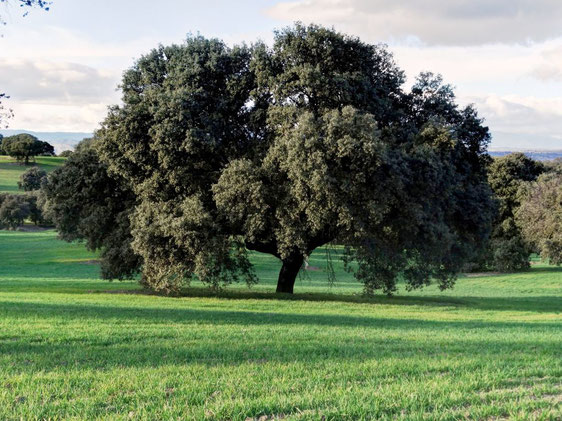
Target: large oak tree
{"points": [[282, 150]]}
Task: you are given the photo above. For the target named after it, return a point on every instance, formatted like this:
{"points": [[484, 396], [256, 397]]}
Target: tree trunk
{"points": [[289, 271]]}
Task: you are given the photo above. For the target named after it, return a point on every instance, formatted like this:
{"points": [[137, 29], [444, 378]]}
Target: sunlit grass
{"points": [[10, 170], [76, 347]]}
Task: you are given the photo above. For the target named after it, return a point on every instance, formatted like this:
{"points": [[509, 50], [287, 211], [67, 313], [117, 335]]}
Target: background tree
{"points": [[508, 251], [281, 151], [14, 210], [45, 149], [554, 166], [540, 216], [65, 153], [24, 147], [32, 179], [85, 203]]}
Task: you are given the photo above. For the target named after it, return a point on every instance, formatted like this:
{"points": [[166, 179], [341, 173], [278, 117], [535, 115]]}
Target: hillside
{"points": [[10, 170]]}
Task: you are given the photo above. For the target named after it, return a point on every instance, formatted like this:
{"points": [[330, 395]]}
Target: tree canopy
{"points": [[24, 146], [281, 150], [540, 215], [32, 179], [85, 203], [508, 250]]}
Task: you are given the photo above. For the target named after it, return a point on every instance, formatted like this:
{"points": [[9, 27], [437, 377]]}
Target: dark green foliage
{"points": [[32, 179], [554, 166], [24, 146], [85, 203], [13, 210], [16, 208], [281, 151], [508, 251], [45, 149], [540, 216]]}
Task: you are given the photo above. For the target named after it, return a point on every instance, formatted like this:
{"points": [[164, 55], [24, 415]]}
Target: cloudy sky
{"points": [[62, 67]]}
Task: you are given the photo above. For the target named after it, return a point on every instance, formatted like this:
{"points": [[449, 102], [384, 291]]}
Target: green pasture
{"points": [[10, 170], [73, 346]]}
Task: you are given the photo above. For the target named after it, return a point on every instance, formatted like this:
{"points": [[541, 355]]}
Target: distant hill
{"points": [[537, 155], [60, 140]]}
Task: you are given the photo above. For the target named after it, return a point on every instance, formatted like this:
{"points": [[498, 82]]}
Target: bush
{"points": [[540, 216], [507, 250], [16, 208], [31, 179]]}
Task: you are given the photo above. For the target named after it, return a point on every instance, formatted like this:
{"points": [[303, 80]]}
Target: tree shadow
{"points": [[208, 336], [538, 304]]}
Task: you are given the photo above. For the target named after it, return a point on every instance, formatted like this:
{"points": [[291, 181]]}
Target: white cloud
{"points": [[57, 117], [48, 82], [433, 22], [522, 122], [550, 66], [59, 80]]}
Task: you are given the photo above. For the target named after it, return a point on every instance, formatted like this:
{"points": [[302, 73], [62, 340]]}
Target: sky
{"points": [[62, 67]]}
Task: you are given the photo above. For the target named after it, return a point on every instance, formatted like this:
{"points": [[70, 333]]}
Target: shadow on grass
{"points": [[535, 304], [539, 304], [81, 312], [150, 337], [542, 269]]}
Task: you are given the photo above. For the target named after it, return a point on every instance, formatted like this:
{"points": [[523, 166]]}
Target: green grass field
{"points": [[75, 347], [10, 171]]}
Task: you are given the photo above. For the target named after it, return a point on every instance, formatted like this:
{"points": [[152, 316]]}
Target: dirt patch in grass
{"points": [[481, 274], [90, 262], [125, 292]]}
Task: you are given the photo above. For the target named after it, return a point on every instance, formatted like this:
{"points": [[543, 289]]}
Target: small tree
{"points": [[84, 202], [508, 251], [540, 216], [14, 210], [65, 154], [32, 179], [24, 147]]}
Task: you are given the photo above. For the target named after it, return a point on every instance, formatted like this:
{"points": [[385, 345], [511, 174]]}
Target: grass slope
{"points": [[10, 171], [75, 347]]}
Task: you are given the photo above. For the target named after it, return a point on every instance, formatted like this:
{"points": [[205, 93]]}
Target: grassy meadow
{"points": [[76, 347], [10, 170]]}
